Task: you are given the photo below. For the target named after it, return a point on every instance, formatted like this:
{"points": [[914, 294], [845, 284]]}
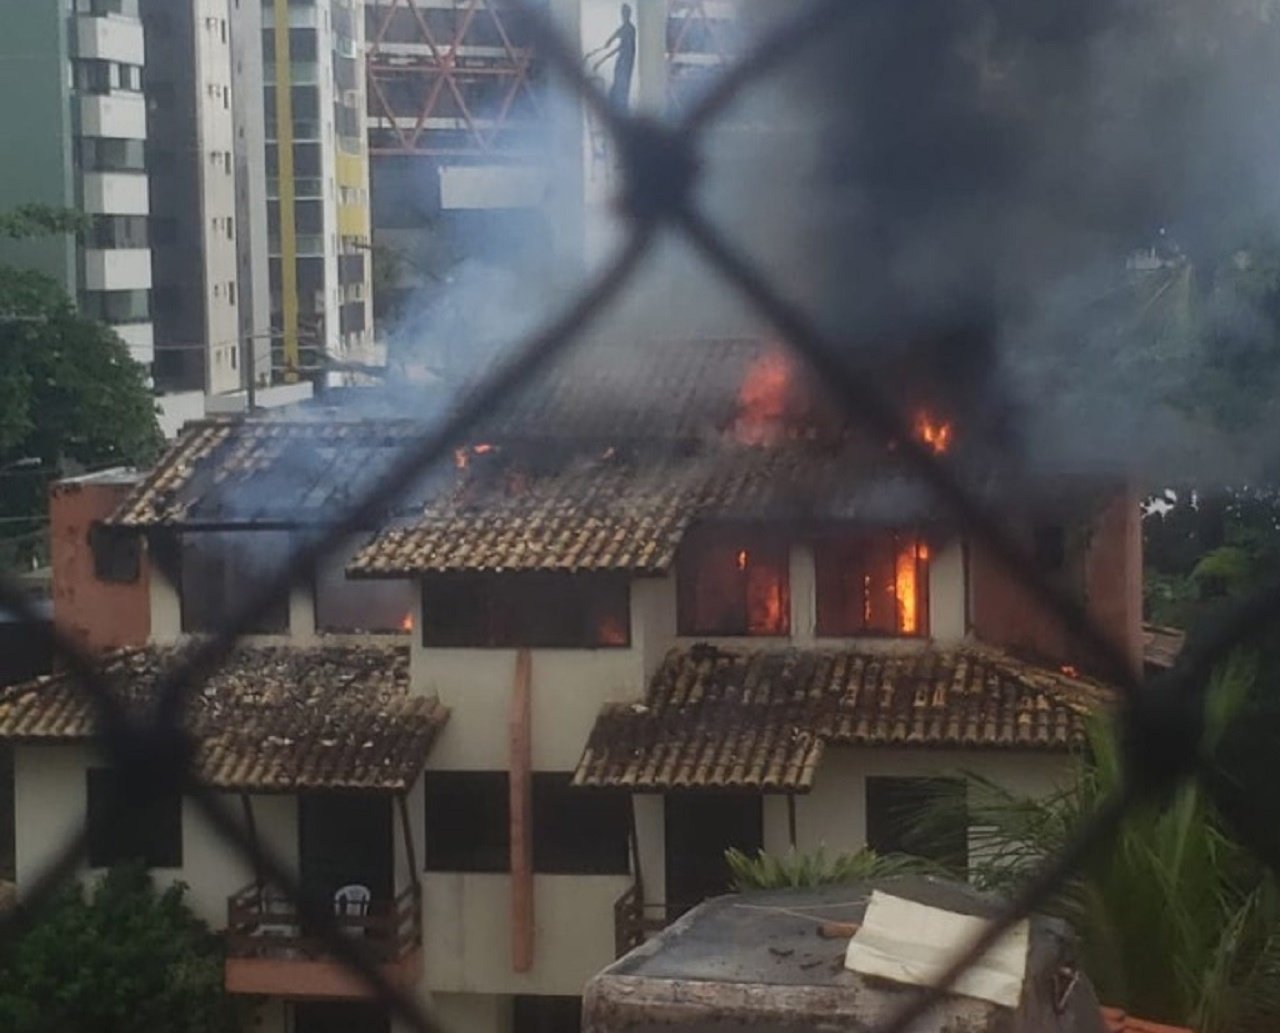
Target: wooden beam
{"points": [[635, 848], [521, 815], [791, 818], [411, 856]]}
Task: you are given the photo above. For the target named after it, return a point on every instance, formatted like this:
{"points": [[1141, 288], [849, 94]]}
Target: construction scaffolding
{"points": [[703, 37], [452, 79]]}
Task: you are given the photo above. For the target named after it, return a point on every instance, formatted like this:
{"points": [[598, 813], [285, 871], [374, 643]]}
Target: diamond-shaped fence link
{"points": [[659, 165]]}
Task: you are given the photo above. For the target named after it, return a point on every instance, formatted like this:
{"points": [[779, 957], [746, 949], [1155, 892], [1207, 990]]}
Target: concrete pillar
{"points": [[947, 592], [652, 836], [166, 610], [804, 594]]}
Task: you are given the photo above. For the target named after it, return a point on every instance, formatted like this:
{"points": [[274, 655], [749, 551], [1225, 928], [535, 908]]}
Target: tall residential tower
{"points": [[76, 128]]}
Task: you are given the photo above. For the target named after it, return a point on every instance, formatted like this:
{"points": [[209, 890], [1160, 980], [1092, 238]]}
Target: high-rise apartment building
{"points": [[317, 185], [76, 127], [251, 187], [193, 195]]}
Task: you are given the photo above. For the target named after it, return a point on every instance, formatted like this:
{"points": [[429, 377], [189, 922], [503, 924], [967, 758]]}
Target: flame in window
{"points": [[906, 588], [406, 622], [935, 434], [611, 631]]}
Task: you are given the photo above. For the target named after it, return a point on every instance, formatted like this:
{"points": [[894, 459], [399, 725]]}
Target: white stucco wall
{"points": [[834, 812], [50, 805], [468, 932]]}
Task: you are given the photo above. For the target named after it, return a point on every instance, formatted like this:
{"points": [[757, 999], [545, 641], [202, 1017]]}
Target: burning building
{"points": [[667, 602]]}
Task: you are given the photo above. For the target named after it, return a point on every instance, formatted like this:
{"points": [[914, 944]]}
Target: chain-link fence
{"points": [[660, 165]]}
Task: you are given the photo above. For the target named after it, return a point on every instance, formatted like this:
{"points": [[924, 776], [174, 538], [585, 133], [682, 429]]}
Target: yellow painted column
{"points": [[284, 168]]}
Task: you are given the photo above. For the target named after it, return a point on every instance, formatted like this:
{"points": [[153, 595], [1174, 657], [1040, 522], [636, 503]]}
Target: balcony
{"points": [[114, 115], [270, 950], [110, 39], [117, 269], [634, 921]]}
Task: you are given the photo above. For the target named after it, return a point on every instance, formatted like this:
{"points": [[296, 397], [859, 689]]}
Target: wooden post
{"points": [[410, 854], [521, 789], [635, 848], [791, 818]]}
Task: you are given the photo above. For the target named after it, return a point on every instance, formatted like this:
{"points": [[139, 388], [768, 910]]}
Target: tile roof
{"points": [[258, 471], [272, 719], [622, 512], [1161, 645], [759, 719]]}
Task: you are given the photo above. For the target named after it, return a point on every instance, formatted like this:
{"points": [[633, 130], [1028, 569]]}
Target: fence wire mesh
{"points": [[659, 165]]}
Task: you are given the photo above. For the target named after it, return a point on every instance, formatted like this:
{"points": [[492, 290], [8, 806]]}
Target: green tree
{"points": [[71, 397], [1177, 920], [124, 957]]}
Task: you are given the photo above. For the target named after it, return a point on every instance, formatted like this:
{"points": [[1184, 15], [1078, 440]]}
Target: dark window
{"points": [[578, 831], [346, 604], [734, 583], [546, 1014], [132, 827], [922, 817], [537, 610], [219, 570], [872, 585], [117, 554], [467, 826]]}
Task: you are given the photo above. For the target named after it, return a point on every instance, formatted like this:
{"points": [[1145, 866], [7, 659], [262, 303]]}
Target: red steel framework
{"points": [[701, 40], [449, 79]]}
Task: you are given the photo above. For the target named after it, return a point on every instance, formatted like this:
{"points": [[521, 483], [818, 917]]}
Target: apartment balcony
{"points": [[110, 39], [634, 921], [140, 337], [114, 115], [117, 269], [272, 952], [115, 193]]}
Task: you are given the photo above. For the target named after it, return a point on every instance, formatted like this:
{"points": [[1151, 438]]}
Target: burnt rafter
{"points": [[455, 79]]}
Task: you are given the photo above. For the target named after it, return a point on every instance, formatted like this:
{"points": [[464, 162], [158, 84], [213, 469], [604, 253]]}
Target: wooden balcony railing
{"points": [[264, 924], [634, 921]]}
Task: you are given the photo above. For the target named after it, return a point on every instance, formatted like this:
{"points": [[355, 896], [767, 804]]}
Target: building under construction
{"points": [[475, 154]]}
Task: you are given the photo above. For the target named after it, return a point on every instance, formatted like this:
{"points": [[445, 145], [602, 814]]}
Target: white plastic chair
{"points": [[350, 900]]}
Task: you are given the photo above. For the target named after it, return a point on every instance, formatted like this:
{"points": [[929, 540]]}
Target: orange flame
{"points": [[1069, 671], [936, 434], [611, 631], [905, 586], [762, 400], [406, 622], [462, 456], [742, 559]]}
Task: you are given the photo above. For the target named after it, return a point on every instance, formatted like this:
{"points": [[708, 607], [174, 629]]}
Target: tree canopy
{"points": [[123, 957], [71, 396]]}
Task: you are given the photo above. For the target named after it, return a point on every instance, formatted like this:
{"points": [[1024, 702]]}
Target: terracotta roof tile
{"points": [[718, 718], [271, 718], [617, 512], [257, 471]]}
